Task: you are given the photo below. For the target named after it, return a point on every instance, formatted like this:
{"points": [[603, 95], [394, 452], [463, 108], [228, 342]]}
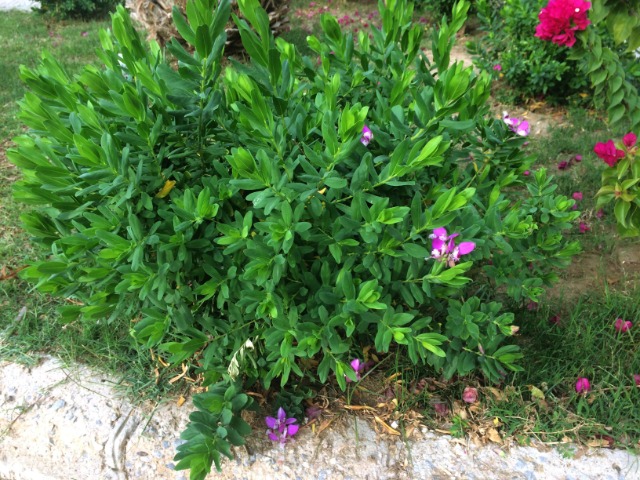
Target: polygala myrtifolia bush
{"points": [[274, 217]]}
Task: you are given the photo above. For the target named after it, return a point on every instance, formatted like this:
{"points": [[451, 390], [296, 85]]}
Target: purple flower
{"points": [[563, 165], [358, 367], [497, 67], [523, 129], [526, 173], [583, 385], [367, 136], [577, 196], [281, 429], [443, 247], [578, 158], [600, 214], [519, 127], [584, 228], [636, 378]]}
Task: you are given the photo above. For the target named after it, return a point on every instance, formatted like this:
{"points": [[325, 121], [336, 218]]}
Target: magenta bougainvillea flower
{"points": [[629, 140], [444, 249], [608, 152], [563, 165], [281, 429], [583, 386], [367, 136], [577, 196], [622, 325], [561, 19], [470, 395], [584, 228]]}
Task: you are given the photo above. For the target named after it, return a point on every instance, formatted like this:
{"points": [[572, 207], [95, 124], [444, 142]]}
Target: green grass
{"points": [[24, 36], [25, 338], [583, 344]]}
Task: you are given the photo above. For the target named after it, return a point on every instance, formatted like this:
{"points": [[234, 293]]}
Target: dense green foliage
{"points": [[84, 9], [532, 68], [239, 220]]}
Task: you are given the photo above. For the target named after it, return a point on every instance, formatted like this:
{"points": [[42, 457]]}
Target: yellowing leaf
{"points": [[536, 392], [164, 191]]}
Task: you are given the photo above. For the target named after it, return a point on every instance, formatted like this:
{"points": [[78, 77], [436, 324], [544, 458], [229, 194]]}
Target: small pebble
{"points": [[170, 466], [58, 404]]}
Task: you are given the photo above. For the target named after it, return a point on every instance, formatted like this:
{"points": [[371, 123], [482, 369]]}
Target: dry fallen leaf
{"points": [[181, 401], [324, 425], [598, 443], [496, 393], [386, 427], [494, 436]]}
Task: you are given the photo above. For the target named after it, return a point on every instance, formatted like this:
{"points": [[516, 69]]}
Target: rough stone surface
{"points": [[22, 5], [59, 422]]}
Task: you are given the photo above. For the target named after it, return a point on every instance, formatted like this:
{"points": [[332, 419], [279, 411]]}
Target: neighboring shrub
{"points": [[606, 43], [439, 8], [83, 9], [276, 217], [531, 67]]}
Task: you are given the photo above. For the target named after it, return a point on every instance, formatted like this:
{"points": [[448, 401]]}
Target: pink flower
{"points": [[560, 19], [622, 326], [608, 152], [577, 196], [578, 158], [442, 409], [526, 173], [636, 378], [563, 165], [367, 136], [584, 228], [629, 140], [470, 395], [583, 385], [497, 67], [555, 320]]}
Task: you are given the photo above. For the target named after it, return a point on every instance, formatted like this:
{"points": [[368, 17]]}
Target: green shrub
{"points": [[531, 67], [83, 9], [236, 217]]}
